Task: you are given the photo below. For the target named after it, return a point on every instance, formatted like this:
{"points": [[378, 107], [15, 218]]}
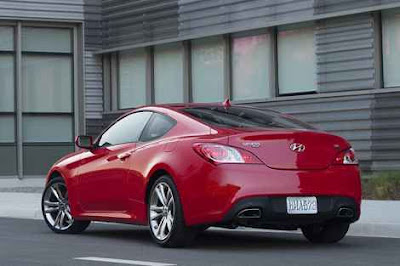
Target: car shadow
{"points": [[216, 239]]}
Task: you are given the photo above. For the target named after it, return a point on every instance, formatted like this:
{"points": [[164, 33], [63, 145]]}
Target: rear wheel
{"points": [[56, 210], [166, 221], [327, 233]]}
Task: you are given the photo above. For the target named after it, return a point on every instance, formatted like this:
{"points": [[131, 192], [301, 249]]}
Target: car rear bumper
{"points": [[271, 212], [219, 189]]}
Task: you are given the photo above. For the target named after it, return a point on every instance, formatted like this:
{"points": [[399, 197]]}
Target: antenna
{"points": [[227, 103]]}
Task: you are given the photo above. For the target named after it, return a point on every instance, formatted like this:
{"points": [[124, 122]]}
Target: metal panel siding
{"points": [[346, 53], [139, 22], [93, 63], [127, 22], [386, 132], [43, 9]]}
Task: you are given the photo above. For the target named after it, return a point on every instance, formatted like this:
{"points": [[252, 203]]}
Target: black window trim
{"points": [[174, 122]]}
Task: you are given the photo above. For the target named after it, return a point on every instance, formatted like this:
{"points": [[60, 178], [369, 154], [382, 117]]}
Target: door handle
{"points": [[124, 156]]}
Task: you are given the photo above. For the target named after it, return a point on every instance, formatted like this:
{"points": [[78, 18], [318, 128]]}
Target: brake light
{"points": [[220, 154], [347, 157]]}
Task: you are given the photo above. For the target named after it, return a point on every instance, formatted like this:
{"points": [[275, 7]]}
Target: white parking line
{"points": [[129, 262]]}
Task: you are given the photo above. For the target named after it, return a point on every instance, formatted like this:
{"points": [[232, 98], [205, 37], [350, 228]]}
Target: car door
{"points": [[102, 177], [150, 148]]}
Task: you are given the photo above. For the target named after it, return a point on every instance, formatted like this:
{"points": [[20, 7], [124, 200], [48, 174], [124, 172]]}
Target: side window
{"points": [[126, 130], [158, 126]]}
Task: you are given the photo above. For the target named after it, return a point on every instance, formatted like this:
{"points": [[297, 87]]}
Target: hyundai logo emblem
{"points": [[297, 147]]}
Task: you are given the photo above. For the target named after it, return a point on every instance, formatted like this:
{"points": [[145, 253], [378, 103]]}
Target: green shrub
{"points": [[382, 186]]}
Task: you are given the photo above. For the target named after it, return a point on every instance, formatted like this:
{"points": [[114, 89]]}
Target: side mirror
{"points": [[84, 142]]}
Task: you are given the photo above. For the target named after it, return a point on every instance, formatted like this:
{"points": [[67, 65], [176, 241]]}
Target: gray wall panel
{"points": [[8, 160], [39, 159]]}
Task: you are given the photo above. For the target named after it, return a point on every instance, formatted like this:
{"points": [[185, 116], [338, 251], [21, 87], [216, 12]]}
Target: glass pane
{"points": [[47, 83], [168, 73], [296, 60], [157, 127], [208, 69], [7, 129], [126, 130], [36, 128], [251, 63], [391, 48], [46, 40], [132, 78], [6, 38], [7, 78]]}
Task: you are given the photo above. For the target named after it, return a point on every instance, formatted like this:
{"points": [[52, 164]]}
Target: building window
{"points": [[251, 67], [132, 78], [7, 77], [296, 60], [207, 57], [390, 47], [168, 73], [47, 84]]}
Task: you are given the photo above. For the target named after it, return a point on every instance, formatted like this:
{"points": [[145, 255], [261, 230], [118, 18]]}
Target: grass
{"points": [[382, 186]]}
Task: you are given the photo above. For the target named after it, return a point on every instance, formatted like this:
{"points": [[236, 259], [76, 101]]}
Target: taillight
{"points": [[347, 157], [220, 154]]}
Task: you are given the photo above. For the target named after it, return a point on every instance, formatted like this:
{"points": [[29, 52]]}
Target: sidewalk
{"points": [[21, 199]]}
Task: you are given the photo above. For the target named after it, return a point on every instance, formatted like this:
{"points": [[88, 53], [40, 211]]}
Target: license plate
{"points": [[301, 205]]}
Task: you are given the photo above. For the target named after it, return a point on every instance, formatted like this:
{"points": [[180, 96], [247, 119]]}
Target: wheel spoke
{"points": [[155, 215], [52, 209], [47, 203], [57, 187], [158, 231], [163, 225], [161, 195], [68, 214], [169, 222], [55, 193], [57, 220]]}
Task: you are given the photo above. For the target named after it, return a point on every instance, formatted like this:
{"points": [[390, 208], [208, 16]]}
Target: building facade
{"points": [[69, 68]]}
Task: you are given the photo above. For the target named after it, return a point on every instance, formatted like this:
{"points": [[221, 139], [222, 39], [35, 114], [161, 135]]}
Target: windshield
{"points": [[243, 117]]}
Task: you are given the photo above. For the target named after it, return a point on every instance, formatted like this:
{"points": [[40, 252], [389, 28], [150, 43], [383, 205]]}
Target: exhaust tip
{"points": [[253, 213], [345, 213]]}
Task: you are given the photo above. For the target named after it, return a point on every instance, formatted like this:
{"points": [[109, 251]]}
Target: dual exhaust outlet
{"points": [[255, 213]]}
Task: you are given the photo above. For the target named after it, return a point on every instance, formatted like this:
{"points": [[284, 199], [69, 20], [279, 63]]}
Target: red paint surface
{"points": [[103, 187]]}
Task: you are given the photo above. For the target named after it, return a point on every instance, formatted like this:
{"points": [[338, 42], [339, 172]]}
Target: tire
{"points": [[172, 232], [328, 233], [56, 210]]}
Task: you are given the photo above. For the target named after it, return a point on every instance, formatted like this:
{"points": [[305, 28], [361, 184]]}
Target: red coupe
{"points": [[182, 168]]}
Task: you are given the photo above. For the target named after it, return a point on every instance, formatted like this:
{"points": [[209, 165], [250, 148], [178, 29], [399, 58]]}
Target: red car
{"points": [[183, 168]]}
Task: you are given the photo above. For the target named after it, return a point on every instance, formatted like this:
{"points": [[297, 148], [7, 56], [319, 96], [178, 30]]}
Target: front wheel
{"points": [[327, 233], [56, 210], [165, 215]]}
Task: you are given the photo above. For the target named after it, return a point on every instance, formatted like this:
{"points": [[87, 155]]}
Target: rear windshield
{"points": [[243, 117]]}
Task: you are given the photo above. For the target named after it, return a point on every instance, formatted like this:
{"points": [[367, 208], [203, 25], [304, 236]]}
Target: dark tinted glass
{"points": [[126, 130], [242, 117], [158, 126]]}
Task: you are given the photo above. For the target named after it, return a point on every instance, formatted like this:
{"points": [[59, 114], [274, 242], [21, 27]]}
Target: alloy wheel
{"points": [[162, 211], [56, 208]]}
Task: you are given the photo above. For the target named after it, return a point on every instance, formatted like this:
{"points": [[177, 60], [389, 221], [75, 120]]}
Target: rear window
{"points": [[242, 117]]}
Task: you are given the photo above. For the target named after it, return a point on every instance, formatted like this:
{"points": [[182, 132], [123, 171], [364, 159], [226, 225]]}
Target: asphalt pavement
{"points": [[30, 242]]}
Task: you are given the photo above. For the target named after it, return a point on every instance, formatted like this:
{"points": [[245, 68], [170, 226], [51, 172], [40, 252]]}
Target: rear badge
{"points": [[252, 144], [297, 147]]}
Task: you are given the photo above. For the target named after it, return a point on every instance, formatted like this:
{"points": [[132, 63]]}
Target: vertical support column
{"points": [[150, 97], [377, 21], [114, 82], [227, 67], [107, 83], [18, 83], [76, 95], [273, 83], [187, 72]]}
